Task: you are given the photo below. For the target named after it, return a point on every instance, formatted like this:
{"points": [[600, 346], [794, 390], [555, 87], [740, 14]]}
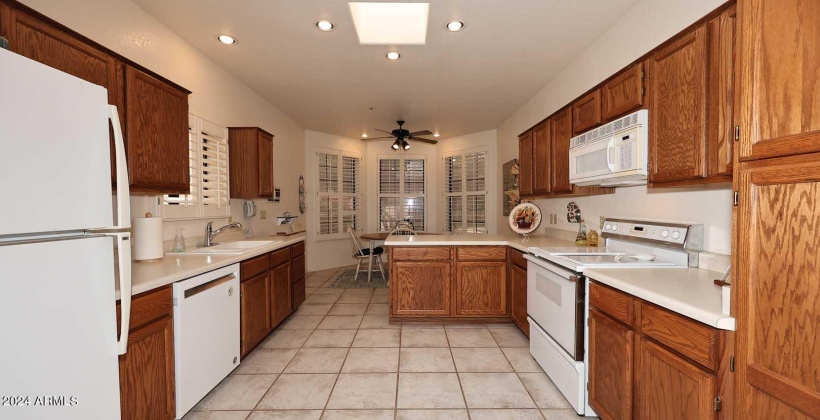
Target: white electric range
{"points": [[557, 308]]}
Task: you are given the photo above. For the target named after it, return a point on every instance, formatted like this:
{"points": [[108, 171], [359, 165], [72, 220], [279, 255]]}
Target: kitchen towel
{"points": [[147, 238]]}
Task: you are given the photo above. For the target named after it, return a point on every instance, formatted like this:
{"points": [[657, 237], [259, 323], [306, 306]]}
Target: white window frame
{"points": [[339, 195], [465, 218], [402, 195], [193, 206]]}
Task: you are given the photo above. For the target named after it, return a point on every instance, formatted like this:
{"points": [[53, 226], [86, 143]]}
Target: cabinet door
{"points": [[280, 294], [525, 162], [586, 112], [677, 139], [518, 298], [421, 288], [610, 367], [672, 388], [779, 99], [47, 44], [481, 288], [541, 158], [720, 124], [777, 288], [265, 154], [147, 372], [560, 135], [255, 311], [298, 291], [623, 93], [157, 148]]}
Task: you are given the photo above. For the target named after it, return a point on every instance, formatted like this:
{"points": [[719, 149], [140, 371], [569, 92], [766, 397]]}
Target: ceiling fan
{"points": [[401, 135]]}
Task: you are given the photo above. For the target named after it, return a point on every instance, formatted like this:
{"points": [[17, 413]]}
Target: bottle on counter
{"points": [[179, 241], [592, 238], [581, 238]]}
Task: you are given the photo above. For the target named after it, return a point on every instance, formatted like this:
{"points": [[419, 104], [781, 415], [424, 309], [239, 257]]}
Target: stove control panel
{"points": [[668, 233]]}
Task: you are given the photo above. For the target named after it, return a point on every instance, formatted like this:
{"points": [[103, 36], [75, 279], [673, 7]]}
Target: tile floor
{"points": [[337, 357]]}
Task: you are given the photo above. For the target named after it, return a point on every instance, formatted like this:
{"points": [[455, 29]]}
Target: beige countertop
{"points": [[512, 240], [148, 275], [690, 292]]}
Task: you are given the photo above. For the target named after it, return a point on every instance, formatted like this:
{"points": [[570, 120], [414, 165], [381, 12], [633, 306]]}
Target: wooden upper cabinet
{"points": [[778, 94], [623, 93], [672, 388], [560, 135], [610, 367], [777, 288], [586, 112], [481, 288], [677, 121], [251, 162], [541, 158], [721, 90], [157, 134], [525, 162]]}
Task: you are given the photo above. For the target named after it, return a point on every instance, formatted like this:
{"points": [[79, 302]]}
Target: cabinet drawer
{"points": [[279, 257], [148, 307], [253, 266], [612, 302], [421, 253], [481, 253], [297, 249], [517, 258], [689, 338], [297, 269]]}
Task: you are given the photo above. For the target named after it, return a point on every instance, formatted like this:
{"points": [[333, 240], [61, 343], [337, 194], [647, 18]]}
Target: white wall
{"points": [[217, 96], [646, 26], [322, 254]]}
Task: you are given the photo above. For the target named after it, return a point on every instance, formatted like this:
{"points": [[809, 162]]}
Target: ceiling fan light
{"points": [[405, 145], [396, 145], [437, 135]]}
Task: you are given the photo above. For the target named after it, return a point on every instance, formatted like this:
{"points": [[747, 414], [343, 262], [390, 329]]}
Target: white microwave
{"points": [[614, 154]]}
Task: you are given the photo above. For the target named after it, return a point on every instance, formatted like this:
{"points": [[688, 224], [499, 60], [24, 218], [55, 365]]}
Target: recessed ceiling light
{"points": [[392, 55], [455, 25], [325, 25], [364, 135], [380, 23], [437, 135], [226, 39]]}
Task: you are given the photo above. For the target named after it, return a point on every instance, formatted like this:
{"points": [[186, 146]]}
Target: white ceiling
{"points": [[458, 83]]}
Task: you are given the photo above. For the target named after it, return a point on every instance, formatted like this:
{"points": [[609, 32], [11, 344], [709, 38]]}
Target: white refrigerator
{"points": [[64, 243]]}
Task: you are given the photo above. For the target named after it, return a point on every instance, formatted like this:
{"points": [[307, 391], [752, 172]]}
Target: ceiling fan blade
{"points": [[377, 138], [388, 132], [421, 133], [428, 141]]}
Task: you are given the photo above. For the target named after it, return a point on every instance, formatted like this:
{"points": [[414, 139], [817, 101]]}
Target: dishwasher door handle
{"points": [[209, 285]]}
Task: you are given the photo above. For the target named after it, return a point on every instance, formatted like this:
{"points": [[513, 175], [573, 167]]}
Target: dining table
{"points": [[378, 237]]}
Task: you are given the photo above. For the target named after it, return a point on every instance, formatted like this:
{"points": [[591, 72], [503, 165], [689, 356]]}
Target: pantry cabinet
{"points": [[251, 162], [623, 93], [517, 276], [147, 384], [586, 112], [777, 82]]}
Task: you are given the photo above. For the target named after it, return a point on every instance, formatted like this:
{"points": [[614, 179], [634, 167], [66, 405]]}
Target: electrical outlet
{"points": [[263, 214], [602, 222]]}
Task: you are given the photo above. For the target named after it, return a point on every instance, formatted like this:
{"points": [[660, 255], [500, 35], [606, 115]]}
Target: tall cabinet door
{"points": [[561, 133], [721, 88], [255, 311], [677, 141], [280, 294], [541, 158], [265, 163], [610, 367], [777, 289], [525, 162], [779, 97]]}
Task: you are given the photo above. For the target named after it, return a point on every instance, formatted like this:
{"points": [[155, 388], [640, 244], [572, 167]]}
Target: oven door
{"points": [[555, 301]]}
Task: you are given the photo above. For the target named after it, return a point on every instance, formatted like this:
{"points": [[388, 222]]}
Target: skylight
{"points": [[390, 23]]}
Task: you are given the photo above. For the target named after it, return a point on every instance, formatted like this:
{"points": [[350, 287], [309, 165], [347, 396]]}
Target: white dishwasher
{"points": [[206, 333]]}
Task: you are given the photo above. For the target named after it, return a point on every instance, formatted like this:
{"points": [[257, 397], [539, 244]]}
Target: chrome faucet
{"points": [[210, 232]]}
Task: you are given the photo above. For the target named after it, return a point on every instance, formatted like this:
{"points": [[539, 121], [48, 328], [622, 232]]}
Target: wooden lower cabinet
{"points": [[421, 289], [611, 367], [147, 383], [280, 294], [518, 298], [255, 311], [481, 288], [671, 387]]}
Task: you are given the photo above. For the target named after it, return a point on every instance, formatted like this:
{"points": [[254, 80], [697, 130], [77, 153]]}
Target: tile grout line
{"points": [[517, 375]]}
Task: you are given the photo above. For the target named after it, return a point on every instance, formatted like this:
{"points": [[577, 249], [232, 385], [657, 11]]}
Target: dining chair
{"points": [[403, 228], [366, 253]]}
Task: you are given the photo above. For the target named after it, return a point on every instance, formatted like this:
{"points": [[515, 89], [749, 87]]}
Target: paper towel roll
{"points": [[147, 238]]}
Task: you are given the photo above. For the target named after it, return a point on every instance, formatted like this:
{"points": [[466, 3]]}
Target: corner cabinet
{"points": [[251, 162], [147, 376]]}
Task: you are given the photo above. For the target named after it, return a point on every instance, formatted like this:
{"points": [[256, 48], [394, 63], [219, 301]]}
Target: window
{"points": [[339, 192], [465, 192], [208, 169], [402, 191]]}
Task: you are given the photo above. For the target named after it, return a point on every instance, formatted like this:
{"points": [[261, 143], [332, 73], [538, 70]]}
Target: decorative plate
{"points": [[525, 218]]}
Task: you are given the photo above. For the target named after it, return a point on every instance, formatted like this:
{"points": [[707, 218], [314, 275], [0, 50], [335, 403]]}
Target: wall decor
{"points": [[511, 196], [525, 218], [302, 206], [573, 213]]}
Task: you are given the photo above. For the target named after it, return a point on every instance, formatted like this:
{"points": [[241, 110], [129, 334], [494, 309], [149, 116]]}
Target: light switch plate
{"points": [[263, 214]]}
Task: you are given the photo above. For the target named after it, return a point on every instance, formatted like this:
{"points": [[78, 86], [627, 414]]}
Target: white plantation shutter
{"points": [[208, 171], [465, 192], [339, 188], [402, 191]]}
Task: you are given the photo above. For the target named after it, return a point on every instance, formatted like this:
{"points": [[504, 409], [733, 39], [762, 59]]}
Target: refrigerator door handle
{"points": [[123, 195], [124, 264]]}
